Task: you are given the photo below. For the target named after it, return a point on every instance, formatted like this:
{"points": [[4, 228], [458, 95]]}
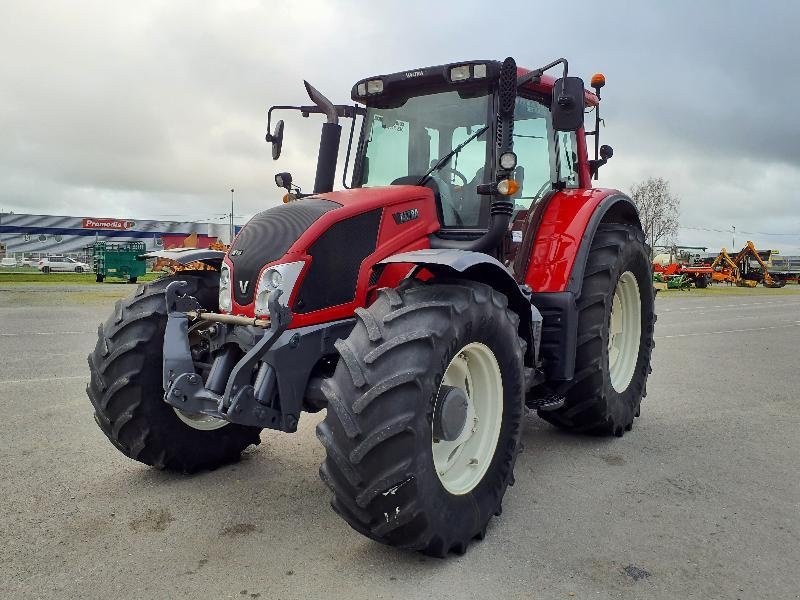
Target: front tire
{"points": [[384, 464], [126, 387], [616, 315]]}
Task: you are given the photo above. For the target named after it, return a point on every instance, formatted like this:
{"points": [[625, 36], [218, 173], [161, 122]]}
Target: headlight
{"points": [[225, 288], [280, 277]]}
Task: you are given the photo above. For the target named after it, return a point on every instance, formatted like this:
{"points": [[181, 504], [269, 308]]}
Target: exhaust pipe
{"points": [[328, 143]]}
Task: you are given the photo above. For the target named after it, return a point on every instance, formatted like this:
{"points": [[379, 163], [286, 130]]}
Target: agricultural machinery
{"points": [[676, 267], [467, 270], [741, 271]]}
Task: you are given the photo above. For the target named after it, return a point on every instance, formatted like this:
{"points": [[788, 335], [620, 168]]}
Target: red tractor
{"points": [[468, 270]]}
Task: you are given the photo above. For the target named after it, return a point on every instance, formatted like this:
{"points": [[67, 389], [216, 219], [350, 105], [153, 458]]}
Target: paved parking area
{"points": [[700, 500]]}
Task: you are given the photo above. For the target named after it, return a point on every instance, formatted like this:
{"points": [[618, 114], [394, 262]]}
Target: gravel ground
{"points": [[700, 500]]}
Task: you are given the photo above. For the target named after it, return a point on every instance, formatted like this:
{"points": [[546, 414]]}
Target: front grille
{"points": [[336, 260]]}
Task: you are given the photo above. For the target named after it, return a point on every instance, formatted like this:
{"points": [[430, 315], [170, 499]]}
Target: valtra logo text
{"points": [[120, 224]]}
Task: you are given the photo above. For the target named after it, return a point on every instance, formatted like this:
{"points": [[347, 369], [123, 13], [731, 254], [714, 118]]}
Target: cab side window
{"points": [[567, 159], [534, 147]]}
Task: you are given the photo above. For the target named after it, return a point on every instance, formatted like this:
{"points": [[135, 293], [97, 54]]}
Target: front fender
{"points": [[483, 268]]}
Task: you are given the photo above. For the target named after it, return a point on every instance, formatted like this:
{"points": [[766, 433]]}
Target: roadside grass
{"points": [[34, 276], [725, 290]]}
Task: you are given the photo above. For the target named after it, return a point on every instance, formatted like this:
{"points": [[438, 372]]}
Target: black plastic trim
{"points": [[559, 333]]}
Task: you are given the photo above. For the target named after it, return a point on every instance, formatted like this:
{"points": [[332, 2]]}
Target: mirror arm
{"points": [[536, 74], [344, 111]]}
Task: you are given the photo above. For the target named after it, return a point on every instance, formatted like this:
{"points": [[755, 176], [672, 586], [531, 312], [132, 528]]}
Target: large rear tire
{"points": [[616, 315], [401, 472], [126, 387]]}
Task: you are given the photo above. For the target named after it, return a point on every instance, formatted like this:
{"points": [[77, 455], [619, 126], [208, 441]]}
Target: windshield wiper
{"points": [[446, 158]]}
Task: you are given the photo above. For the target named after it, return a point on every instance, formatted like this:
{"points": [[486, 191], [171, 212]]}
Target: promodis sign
{"points": [[120, 224]]}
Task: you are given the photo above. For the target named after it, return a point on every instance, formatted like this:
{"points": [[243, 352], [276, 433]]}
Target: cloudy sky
{"points": [[156, 109]]}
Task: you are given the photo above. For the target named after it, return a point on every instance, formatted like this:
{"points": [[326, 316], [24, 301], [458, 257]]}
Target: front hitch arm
{"points": [[241, 402]]}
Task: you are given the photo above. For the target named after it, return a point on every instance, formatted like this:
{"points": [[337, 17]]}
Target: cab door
{"points": [[546, 161]]}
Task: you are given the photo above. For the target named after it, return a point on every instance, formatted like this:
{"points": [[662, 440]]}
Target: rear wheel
{"points": [[45, 269], [79, 269], [701, 281], [615, 336], [424, 415], [127, 394], [132, 280], [99, 278]]}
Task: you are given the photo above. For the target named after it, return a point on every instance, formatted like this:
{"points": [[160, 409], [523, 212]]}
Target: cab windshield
{"points": [[403, 143]]}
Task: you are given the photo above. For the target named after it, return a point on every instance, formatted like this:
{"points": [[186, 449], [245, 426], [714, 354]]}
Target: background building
{"points": [[42, 235]]}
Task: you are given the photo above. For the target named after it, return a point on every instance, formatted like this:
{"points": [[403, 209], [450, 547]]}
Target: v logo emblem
{"points": [[243, 286]]}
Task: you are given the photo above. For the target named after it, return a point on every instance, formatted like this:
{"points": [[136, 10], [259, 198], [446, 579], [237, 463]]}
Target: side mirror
{"points": [[567, 105], [284, 180], [276, 139]]}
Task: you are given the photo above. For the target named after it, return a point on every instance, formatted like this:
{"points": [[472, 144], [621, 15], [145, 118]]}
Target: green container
{"points": [[118, 260]]}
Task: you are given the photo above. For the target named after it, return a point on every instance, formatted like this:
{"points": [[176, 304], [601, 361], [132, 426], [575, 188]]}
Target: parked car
{"points": [[62, 263], [8, 261], [29, 261]]}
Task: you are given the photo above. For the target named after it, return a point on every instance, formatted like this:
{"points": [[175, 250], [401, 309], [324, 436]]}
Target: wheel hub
{"points": [[450, 414], [468, 414]]}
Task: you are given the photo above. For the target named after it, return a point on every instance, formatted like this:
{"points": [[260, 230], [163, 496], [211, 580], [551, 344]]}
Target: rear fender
{"points": [[564, 236], [558, 261], [482, 268]]}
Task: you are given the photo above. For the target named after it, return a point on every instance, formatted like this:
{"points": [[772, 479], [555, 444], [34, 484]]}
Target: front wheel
{"points": [[616, 315], [126, 386], [79, 269], [424, 415]]}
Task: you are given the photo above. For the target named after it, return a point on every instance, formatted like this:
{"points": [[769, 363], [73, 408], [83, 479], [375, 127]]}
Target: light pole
{"points": [[733, 241], [231, 233]]}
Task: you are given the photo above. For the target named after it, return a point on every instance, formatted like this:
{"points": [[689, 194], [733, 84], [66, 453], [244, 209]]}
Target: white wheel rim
{"points": [[624, 332], [199, 420], [462, 463]]}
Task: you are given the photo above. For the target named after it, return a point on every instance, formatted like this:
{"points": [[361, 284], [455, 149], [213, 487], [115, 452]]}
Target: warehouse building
{"points": [[25, 236]]}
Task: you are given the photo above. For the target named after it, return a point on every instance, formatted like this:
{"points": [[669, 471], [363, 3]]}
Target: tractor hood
{"points": [[338, 236]]}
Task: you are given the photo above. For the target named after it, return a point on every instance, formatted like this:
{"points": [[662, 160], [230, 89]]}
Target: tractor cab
{"points": [[488, 138], [436, 126]]}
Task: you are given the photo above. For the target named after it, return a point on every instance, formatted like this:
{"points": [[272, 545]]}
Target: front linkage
{"points": [[282, 360]]}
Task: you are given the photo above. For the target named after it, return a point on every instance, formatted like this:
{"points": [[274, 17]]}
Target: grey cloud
{"points": [[153, 108]]}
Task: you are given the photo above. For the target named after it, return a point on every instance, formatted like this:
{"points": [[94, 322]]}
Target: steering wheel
{"points": [[458, 174]]}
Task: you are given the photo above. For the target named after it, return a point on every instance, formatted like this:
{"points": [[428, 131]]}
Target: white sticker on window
{"points": [[516, 236]]}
